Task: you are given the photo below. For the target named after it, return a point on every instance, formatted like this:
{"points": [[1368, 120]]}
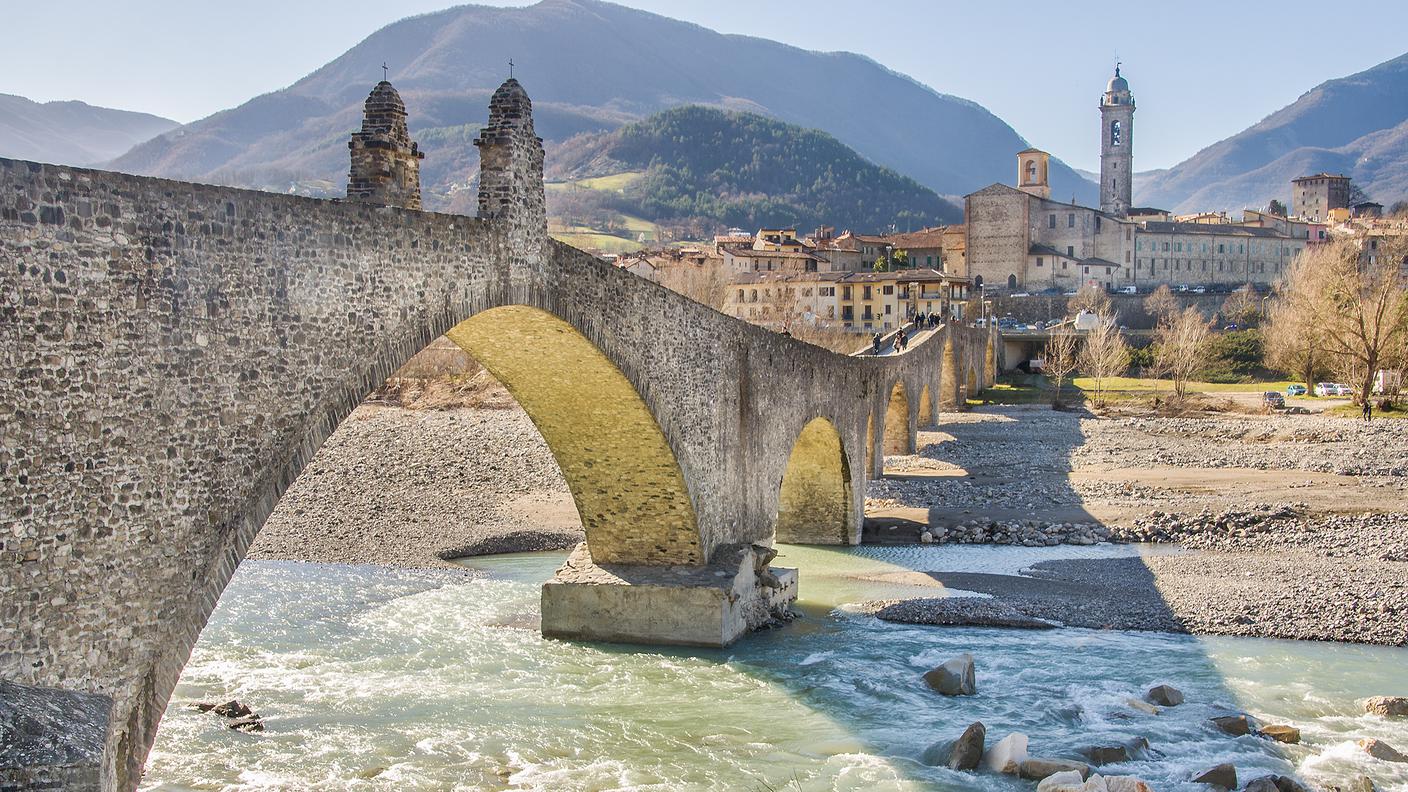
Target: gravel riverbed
{"points": [[1299, 523]]}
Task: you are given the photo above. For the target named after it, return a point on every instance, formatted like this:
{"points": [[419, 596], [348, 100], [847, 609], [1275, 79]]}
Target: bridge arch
{"points": [[927, 413], [623, 475], [814, 496], [898, 430]]}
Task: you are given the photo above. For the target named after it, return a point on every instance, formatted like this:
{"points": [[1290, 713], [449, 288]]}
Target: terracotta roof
{"points": [[751, 253]]}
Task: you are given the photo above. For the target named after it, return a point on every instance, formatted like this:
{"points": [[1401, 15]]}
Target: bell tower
{"points": [[1116, 146], [1032, 165]]}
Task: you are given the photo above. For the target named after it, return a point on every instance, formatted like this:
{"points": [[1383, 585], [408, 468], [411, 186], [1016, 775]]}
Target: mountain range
{"points": [[589, 66], [1355, 125], [71, 133]]}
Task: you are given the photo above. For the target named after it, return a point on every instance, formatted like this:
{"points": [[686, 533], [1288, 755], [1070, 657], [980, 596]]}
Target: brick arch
{"points": [[619, 467], [814, 495]]}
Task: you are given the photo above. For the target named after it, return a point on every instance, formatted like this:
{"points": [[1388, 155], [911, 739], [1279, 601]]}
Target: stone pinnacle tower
{"points": [[1116, 146], [385, 161], [511, 159]]}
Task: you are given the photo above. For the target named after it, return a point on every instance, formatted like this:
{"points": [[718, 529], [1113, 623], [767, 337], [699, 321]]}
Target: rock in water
{"points": [[1126, 784], [232, 709], [1288, 784], [1165, 696], [1223, 776], [1007, 755], [1067, 781], [1105, 754], [1143, 706], [249, 723], [1381, 750], [968, 749], [1236, 725], [954, 678], [1285, 734], [1359, 784], [1037, 768], [1263, 784], [1387, 706]]}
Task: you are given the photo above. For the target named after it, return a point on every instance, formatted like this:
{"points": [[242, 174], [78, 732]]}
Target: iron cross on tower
{"points": [[510, 68], [385, 71]]}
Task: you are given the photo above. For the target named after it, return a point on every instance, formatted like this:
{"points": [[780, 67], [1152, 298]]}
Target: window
{"points": [[1071, 220], [807, 292], [1063, 265], [1039, 261], [866, 313], [866, 293], [1165, 247], [847, 314], [1097, 224], [1178, 247], [888, 310], [1011, 281], [1220, 247], [1070, 251], [1126, 257], [1031, 171], [846, 293], [887, 289], [1051, 221], [1116, 135], [753, 297], [740, 295], [1085, 270]]}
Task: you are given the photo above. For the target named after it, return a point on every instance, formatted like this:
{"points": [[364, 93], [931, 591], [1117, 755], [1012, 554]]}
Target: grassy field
{"points": [[613, 183], [1135, 385], [586, 239]]}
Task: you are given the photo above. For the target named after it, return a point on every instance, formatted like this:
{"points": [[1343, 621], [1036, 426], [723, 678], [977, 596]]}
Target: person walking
{"points": [[875, 344], [1368, 410]]}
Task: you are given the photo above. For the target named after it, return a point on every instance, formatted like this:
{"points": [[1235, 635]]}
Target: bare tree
{"points": [[1161, 303], [1293, 338], [1090, 298], [1242, 307], [1361, 302], [1105, 355], [707, 283], [1062, 358], [1181, 347]]}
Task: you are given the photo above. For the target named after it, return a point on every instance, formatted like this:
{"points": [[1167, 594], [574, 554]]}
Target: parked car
{"points": [[1273, 400], [1232, 326], [1200, 290], [1295, 390], [1342, 389], [1020, 294], [1326, 389], [1128, 290]]}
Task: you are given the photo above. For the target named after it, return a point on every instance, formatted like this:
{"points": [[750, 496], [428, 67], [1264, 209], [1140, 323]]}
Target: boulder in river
{"points": [[1284, 734], [1007, 755], [1381, 750], [1235, 725], [954, 678], [1126, 784], [1387, 706], [1105, 754], [1263, 784], [1036, 768], [968, 748], [1165, 696], [1143, 706], [1065, 781], [1223, 776]]}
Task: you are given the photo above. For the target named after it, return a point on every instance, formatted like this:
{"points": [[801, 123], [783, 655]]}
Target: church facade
{"points": [[1020, 240]]}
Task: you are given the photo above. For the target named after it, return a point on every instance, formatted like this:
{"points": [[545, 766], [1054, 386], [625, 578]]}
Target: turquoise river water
{"points": [[376, 679]]}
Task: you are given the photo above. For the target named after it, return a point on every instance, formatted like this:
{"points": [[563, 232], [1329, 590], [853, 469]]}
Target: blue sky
{"points": [[1198, 76]]}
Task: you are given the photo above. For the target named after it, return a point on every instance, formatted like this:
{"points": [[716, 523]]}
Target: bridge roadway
{"points": [[175, 353]]}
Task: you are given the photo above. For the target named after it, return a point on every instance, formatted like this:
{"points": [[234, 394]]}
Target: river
{"points": [[371, 678]]}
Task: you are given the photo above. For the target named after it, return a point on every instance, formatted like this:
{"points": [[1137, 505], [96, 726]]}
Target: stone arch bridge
{"points": [[175, 353]]}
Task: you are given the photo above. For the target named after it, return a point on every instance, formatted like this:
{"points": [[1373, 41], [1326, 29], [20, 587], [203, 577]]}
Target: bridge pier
{"points": [[711, 605]]}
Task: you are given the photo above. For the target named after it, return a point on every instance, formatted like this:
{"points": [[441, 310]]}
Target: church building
{"points": [[1020, 240]]}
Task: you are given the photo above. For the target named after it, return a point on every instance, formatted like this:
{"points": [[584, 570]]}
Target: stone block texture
{"points": [[174, 354]]}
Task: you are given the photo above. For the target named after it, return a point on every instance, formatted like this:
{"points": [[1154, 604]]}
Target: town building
{"points": [[853, 301], [1312, 197], [1116, 147]]}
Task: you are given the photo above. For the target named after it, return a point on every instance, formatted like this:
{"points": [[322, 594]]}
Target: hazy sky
{"points": [[1198, 75]]}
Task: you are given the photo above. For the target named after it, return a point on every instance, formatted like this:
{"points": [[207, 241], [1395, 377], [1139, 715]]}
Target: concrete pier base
{"points": [[708, 605]]}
